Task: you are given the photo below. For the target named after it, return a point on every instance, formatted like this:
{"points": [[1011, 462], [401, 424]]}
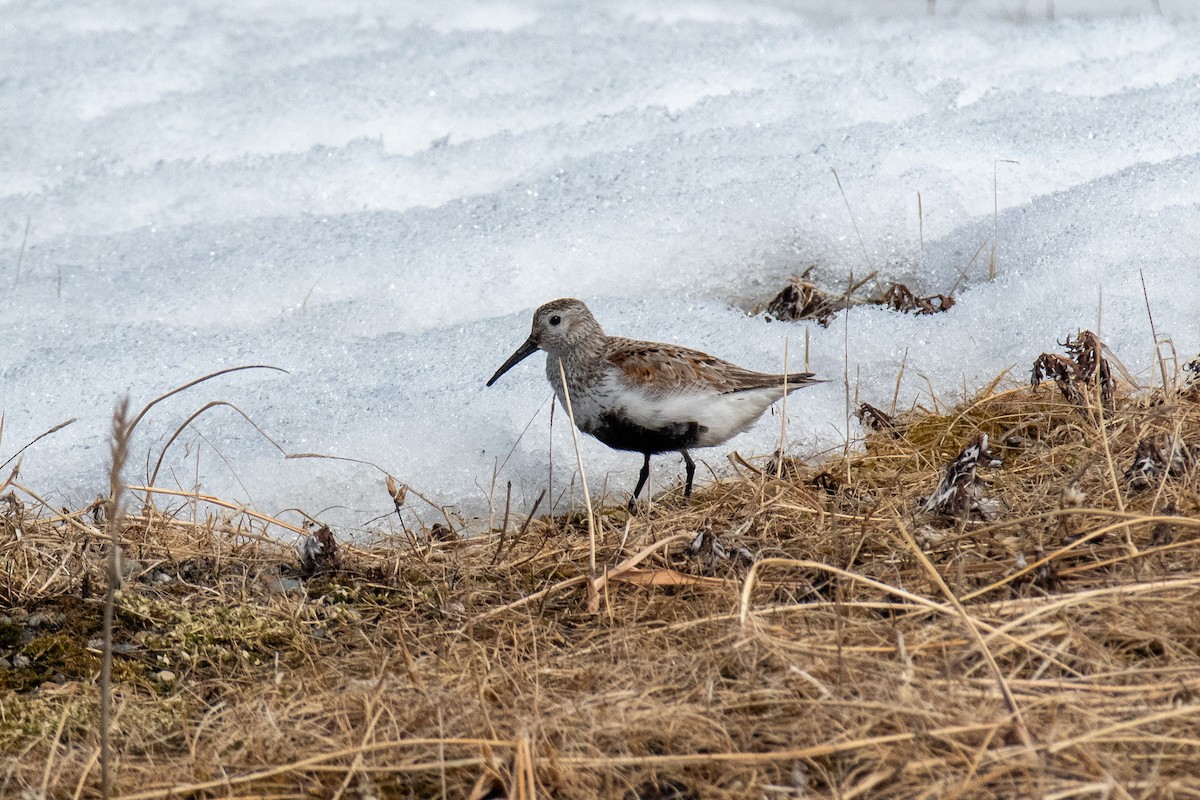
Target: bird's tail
{"points": [[764, 380], [797, 379]]}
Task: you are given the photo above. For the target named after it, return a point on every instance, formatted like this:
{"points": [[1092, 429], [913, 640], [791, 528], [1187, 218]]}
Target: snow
{"points": [[375, 197]]}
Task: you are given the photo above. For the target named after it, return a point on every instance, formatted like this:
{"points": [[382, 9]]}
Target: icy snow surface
{"points": [[375, 196]]}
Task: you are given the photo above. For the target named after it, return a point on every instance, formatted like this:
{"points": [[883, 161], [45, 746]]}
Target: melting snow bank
{"points": [[376, 203]]}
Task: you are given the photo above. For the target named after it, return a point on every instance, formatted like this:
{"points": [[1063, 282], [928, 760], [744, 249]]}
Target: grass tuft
{"points": [[794, 630]]}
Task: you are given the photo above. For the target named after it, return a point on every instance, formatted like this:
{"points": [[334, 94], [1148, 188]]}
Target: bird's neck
{"points": [[579, 363]]}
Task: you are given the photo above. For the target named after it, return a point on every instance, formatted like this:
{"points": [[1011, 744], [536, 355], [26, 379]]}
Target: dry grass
{"points": [[803, 299], [826, 639]]}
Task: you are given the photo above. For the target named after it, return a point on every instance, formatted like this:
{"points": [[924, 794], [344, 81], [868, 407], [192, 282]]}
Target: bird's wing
{"points": [[669, 369]]}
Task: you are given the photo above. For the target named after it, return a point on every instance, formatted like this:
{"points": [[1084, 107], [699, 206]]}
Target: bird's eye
{"points": [[555, 319]]}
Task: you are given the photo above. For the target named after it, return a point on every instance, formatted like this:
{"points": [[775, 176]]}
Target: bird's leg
{"points": [[642, 478], [691, 473]]}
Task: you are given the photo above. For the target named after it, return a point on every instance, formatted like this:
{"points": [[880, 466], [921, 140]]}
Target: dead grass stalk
{"points": [[794, 630]]}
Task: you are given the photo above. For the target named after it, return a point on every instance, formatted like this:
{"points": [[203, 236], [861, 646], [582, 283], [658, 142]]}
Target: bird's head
{"points": [[559, 327]]}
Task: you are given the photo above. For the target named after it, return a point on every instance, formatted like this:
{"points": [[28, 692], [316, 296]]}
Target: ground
{"points": [[999, 598]]}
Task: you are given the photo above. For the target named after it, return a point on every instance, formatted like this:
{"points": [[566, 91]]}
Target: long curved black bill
{"points": [[523, 352]]}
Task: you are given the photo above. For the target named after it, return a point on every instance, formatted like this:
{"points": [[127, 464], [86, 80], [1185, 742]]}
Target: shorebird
{"points": [[646, 397]]}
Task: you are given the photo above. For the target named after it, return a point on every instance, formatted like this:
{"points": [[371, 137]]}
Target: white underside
{"points": [[720, 416]]}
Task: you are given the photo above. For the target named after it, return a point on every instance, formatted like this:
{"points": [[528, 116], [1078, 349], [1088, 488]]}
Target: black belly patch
{"points": [[620, 434]]}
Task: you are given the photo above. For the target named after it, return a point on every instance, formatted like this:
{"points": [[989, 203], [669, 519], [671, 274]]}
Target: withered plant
{"points": [[1191, 387], [802, 299], [960, 491], [829, 641], [899, 297], [876, 419], [1158, 455], [1079, 373]]}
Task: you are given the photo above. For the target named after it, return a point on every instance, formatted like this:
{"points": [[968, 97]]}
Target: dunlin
{"points": [[646, 397]]}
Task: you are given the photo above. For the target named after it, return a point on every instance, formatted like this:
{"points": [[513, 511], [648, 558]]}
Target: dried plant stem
{"points": [[854, 222], [238, 507], [996, 213], [628, 564], [190, 419], [507, 509], [357, 764], [35, 439], [550, 458], [504, 523], [973, 627], [530, 598], [771, 756], [920, 222], [1162, 366], [21, 252], [899, 378], [1126, 520], [181, 790], [593, 596], [783, 413], [70, 519], [1191, 710], [666, 694], [146, 408], [1057, 604], [923, 602], [521, 533], [121, 431], [1102, 424], [846, 386], [524, 775], [62, 723]]}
